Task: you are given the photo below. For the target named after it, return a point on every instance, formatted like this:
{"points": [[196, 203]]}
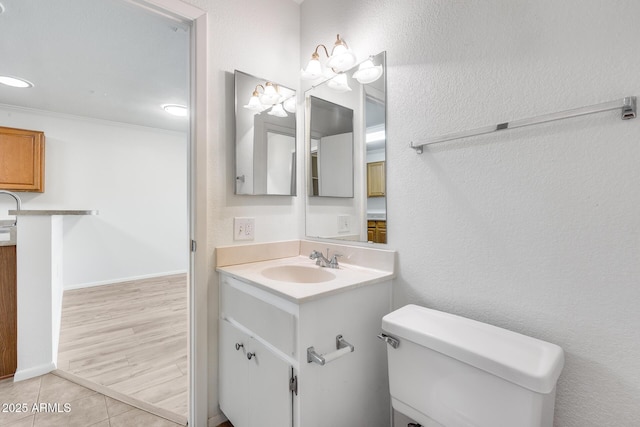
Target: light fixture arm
{"points": [[255, 91], [315, 54], [339, 42]]}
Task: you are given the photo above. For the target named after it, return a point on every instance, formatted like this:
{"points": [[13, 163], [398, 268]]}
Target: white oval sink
{"points": [[298, 274]]}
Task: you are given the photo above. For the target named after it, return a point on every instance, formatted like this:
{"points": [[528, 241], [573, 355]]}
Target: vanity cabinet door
{"points": [[254, 382], [234, 380], [270, 395]]}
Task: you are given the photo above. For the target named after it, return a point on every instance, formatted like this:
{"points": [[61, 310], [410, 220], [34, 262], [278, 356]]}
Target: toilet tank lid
{"points": [[520, 359]]}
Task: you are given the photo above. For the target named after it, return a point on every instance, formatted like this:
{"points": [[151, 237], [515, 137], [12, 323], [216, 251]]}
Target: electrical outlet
{"points": [[243, 228], [344, 225]]}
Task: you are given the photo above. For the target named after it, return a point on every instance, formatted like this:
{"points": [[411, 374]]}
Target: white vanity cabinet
{"points": [[253, 381], [276, 331]]}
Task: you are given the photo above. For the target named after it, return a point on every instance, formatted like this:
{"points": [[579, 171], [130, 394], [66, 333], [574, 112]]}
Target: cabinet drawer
{"points": [[271, 323]]}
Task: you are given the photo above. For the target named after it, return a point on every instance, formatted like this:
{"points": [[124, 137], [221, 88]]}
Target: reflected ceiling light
{"points": [[367, 72], [15, 82], [339, 83], [278, 111], [376, 136], [341, 59], [175, 110]]}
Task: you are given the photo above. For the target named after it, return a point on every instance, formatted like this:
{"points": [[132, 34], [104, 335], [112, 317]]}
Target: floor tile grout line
{"points": [[123, 398]]}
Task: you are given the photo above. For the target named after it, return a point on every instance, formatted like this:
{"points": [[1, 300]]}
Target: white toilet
{"points": [[451, 371]]}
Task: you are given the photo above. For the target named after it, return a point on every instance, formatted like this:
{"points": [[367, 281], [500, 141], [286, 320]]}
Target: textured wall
{"points": [[536, 229]]}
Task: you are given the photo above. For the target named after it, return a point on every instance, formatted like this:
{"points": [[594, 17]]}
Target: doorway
{"points": [[179, 17]]}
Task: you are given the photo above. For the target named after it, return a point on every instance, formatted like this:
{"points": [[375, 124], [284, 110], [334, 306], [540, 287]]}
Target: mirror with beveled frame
{"points": [[345, 140], [265, 162]]}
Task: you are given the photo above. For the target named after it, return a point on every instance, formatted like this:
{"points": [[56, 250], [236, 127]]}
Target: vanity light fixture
{"points": [[15, 82], [270, 97], [176, 110], [341, 59]]}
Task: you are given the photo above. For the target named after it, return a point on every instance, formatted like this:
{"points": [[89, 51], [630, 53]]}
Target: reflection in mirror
{"points": [[331, 149], [357, 209], [265, 137]]}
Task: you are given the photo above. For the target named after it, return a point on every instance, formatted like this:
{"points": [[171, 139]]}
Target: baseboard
{"points": [[122, 280], [216, 420], [132, 401], [36, 371]]}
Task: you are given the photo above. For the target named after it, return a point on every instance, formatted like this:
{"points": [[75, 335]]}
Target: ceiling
{"points": [[104, 59]]}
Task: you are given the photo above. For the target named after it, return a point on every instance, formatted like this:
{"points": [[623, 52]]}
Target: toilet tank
{"points": [[452, 371]]}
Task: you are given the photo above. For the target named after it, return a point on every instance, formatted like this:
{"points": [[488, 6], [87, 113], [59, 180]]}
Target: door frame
{"points": [[196, 200]]}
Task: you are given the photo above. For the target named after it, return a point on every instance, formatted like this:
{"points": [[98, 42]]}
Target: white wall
{"points": [[260, 38], [536, 229], [134, 176]]}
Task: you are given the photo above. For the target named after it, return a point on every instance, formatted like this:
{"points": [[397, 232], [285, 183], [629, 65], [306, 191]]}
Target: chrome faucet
{"points": [[18, 202], [323, 261]]}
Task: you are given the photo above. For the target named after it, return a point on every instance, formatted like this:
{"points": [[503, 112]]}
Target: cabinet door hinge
{"points": [[293, 384], [193, 245]]}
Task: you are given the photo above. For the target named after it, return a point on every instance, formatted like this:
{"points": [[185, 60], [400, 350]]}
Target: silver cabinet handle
{"points": [[250, 355], [239, 346]]}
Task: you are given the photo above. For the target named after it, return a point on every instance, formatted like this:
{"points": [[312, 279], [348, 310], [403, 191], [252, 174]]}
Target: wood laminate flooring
{"points": [[130, 337]]}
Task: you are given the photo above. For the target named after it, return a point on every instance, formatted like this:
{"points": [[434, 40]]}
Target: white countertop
{"points": [[52, 212], [347, 276]]}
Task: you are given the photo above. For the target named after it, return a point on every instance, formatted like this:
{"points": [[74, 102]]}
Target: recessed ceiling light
{"points": [[15, 82], [176, 110]]}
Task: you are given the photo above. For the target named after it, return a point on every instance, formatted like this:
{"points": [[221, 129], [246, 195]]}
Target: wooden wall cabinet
{"points": [[21, 160], [375, 179]]}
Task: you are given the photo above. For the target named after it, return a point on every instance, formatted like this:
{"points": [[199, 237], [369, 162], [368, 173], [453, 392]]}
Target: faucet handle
{"points": [[334, 261]]}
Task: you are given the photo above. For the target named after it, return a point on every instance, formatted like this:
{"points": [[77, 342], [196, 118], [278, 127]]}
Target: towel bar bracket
{"points": [[322, 359]]}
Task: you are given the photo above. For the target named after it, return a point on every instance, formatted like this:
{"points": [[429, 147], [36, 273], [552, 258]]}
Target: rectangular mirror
{"points": [[345, 135], [331, 149], [265, 137]]}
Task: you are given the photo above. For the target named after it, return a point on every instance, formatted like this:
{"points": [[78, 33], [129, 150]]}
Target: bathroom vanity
{"points": [[298, 342]]}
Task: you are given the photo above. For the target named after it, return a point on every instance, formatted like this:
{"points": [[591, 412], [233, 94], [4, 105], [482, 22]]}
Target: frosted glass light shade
{"points": [[312, 71], [367, 72], [290, 104], [339, 83], [270, 95], [341, 58], [254, 104], [277, 111]]}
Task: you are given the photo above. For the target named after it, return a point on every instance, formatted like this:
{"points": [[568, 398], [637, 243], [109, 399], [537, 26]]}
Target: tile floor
{"points": [[77, 406]]}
